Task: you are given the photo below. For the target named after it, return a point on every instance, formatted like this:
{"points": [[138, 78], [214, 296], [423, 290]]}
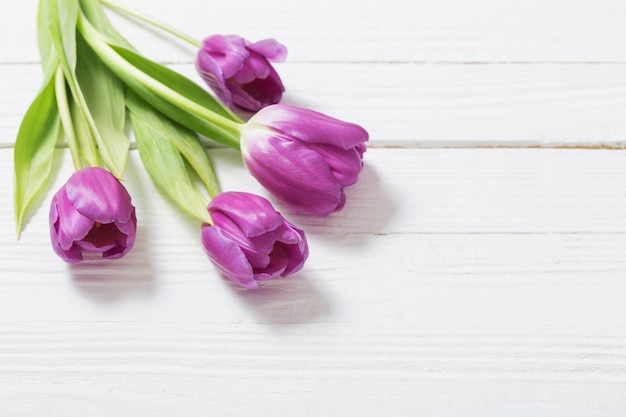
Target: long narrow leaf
{"points": [[34, 149], [104, 96], [62, 17], [94, 12], [85, 141], [98, 94], [49, 59], [65, 115], [169, 92], [190, 147], [184, 85], [161, 158], [166, 78]]}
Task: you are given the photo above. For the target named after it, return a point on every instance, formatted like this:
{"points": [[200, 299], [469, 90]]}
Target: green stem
{"points": [[112, 4], [66, 117], [128, 71]]}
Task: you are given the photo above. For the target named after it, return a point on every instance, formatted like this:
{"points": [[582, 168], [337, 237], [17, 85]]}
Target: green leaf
{"points": [[186, 88], [94, 12], [62, 17], [155, 136], [169, 92], [97, 93], [66, 117], [104, 96], [190, 147], [183, 85], [84, 141], [34, 149], [49, 59]]}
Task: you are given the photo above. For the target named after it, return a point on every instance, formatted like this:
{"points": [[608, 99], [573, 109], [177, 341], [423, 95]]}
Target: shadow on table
{"points": [[288, 300], [368, 209], [106, 281]]}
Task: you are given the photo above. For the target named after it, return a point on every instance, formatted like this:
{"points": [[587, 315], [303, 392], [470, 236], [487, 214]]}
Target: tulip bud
{"points": [[250, 241], [304, 158], [239, 72], [92, 213]]}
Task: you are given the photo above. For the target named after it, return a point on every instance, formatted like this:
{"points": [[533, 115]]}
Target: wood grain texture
{"points": [[412, 319], [412, 105], [431, 191], [396, 31], [197, 369], [466, 276]]}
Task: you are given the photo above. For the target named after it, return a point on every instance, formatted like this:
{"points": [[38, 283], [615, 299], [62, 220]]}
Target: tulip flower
{"points": [[250, 241], [304, 158], [239, 72], [92, 213]]}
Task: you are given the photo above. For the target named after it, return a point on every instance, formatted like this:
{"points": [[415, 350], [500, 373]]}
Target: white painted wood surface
{"points": [[458, 281]]}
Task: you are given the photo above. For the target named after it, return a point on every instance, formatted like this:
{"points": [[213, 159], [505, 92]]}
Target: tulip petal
{"points": [[92, 212], [256, 249], [98, 195], [257, 94], [297, 175], [211, 73], [270, 49], [277, 265], [240, 73], [228, 51], [255, 66], [345, 164], [296, 247], [115, 253], [241, 98], [71, 225], [102, 237], [227, 256], [71, 255], [295, 263], [310, 126], [252, 213], [270, 248]]}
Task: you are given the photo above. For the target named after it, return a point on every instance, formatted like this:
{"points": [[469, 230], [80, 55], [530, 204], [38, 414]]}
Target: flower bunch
{"points": [[94, 80]]}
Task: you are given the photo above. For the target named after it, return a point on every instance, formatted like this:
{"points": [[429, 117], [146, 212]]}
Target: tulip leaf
{"points": [[62, 16], [99, 95], [34, 150], [155, 136], [94, 12], [190, 147], [172, 94], [65, 115], [49, 59], [184, 87], [104, 96], [84, 139]]}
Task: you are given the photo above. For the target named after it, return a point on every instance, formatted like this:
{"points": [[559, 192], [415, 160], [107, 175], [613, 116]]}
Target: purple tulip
{"points": [[92, 213], [239, 72], [250, 241], [302, 157]]}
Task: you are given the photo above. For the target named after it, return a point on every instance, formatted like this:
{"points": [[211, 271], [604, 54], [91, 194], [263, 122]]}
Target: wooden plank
{"points": [[452, 284], [474, 191], [429, 322], [425, 191], [164, 369], [411, 105], [456, 282], [348, 31], [433, 191]]}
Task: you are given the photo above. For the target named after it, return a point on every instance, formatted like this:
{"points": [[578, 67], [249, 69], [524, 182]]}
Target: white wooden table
{"points": [[478, 269]]}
